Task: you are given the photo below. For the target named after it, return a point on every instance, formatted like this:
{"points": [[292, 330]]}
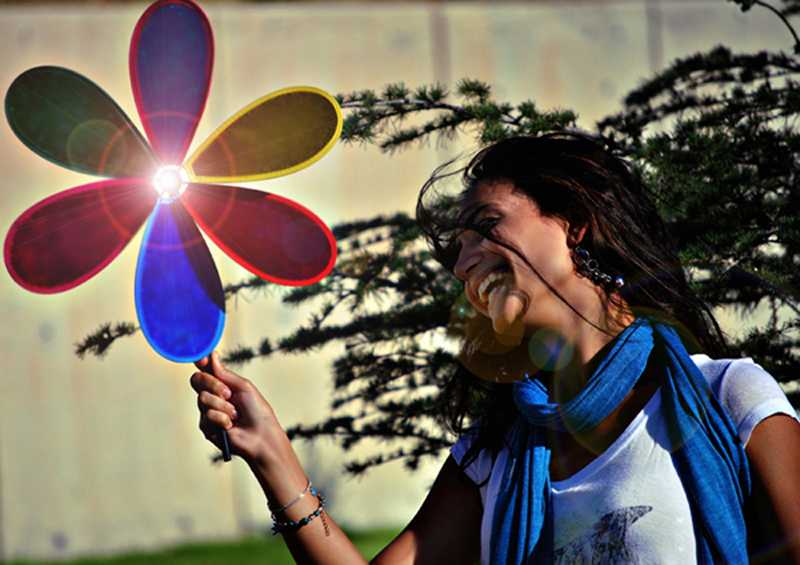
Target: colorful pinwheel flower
{"points": [[71, 236]]}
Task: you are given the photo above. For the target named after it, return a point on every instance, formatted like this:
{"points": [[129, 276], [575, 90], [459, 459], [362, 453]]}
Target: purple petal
{"points": [[172, 55]]}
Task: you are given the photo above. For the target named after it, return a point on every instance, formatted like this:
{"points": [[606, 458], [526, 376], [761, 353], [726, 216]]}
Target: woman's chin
{"points": [[506, 310]]}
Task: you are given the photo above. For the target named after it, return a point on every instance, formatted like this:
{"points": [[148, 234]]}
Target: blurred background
{"points": [[103, 455]]}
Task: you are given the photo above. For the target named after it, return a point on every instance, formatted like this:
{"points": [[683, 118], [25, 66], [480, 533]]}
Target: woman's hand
{"points": [[234, 404]]}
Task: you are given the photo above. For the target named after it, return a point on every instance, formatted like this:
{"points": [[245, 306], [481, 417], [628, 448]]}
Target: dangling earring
{"points": [[589, 268]]}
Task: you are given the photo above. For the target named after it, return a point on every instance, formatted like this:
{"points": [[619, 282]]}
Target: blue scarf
{"points": [[710, 460]]}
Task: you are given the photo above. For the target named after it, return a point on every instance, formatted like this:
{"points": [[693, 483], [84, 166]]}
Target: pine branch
{"points": [[380, 119], [98, 342], [781, 14]]}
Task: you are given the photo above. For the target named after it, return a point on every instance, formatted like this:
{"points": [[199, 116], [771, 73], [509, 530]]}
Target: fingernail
{"points": [[226, 394], [234, 414]]}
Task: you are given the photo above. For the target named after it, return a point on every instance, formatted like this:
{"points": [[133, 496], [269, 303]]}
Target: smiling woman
{"points": [[614, 428], [548, 231]]}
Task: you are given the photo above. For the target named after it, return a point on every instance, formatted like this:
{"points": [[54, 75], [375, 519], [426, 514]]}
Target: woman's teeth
{"points": [[490, 285]]}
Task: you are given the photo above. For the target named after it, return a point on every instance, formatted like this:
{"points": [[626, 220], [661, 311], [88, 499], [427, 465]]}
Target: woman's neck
{"points": [[590, 344]]}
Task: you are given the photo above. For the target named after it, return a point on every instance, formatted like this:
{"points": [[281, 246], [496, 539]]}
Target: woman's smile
{"points": [[490, 285]]}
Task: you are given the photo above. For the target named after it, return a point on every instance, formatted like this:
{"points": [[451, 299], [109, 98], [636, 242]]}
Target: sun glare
{"points": [[170, 182]]}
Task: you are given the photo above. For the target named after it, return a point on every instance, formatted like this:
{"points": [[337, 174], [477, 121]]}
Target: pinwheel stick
{"points": [[223, 434], [226, 446]]}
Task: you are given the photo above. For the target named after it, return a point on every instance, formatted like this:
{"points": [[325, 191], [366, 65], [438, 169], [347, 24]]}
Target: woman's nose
{"points": [[468, 259]]}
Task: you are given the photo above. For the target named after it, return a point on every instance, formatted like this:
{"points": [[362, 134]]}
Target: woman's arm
{"points": [[446, 529], [774, 455], [233, 403]]}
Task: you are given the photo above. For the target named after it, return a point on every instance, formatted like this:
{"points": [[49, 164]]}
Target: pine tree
{"points": [[713, 136]]}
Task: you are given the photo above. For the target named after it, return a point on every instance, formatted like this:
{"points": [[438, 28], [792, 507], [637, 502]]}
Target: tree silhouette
{"points": [[714, 137]]}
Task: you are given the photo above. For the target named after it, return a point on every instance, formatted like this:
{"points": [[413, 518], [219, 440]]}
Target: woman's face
{"points": [[496, 280]]}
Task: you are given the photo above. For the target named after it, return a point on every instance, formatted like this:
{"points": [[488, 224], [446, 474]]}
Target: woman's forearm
{"points": [[299, 514], [232, 403]]}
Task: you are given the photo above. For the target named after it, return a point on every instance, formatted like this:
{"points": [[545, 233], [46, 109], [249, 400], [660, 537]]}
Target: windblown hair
{"points": [[571, 177]]}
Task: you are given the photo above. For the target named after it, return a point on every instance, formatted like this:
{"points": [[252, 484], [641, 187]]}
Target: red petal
{"points": [[269, 235]]}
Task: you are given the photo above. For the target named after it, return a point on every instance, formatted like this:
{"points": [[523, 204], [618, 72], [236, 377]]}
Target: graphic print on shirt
{"points": [[604, 543]]}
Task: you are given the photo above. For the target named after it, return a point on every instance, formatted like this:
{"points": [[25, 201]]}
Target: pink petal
{"points": [[71, 236]]}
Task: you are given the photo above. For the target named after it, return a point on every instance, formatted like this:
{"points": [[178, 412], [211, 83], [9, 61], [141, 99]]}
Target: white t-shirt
{"points": [[628, 505]]}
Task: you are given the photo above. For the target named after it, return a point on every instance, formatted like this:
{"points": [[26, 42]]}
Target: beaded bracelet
{"points": [[309, 487], [291, 527]]}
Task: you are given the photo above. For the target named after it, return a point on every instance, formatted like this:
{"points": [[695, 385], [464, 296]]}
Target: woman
{"points": [[618, 446]]}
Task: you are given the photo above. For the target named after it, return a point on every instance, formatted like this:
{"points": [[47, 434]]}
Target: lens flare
{"points": [[171, 181], [480, 351], [550, 350]]}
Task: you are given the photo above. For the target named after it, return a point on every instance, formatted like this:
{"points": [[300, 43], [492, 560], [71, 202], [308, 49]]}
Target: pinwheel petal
{"points": [[271, 236], [276, 135], [69, 120], [68, 238], [172, 54], [179, 296]]}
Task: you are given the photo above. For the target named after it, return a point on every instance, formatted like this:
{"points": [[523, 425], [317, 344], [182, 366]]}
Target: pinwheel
{"points": [[71, 236]]}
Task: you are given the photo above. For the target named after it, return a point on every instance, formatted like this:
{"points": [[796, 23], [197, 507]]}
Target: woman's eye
{"points": [[485, 226]]}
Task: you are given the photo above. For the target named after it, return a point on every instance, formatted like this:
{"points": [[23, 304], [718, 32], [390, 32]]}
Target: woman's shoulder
{"points": [[747, 392], [736, 376], [706, 363]]}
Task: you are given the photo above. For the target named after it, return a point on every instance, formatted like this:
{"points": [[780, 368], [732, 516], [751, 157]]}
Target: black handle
{"points": [[226, 446], [223, 434]]}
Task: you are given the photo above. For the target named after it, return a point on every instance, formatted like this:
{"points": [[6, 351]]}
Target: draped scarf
{"points": [[709, 458]]}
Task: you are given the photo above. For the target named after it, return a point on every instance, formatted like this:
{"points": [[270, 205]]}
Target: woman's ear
{"points": [[575, 234]]}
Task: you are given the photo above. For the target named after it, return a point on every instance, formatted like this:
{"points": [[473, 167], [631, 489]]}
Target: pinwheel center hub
{"points": [[170, 181]]}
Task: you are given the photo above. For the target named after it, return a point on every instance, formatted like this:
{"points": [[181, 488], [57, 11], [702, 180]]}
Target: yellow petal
{"points": [[278, 134]]}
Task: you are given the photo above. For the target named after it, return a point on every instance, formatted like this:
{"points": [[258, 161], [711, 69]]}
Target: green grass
{"points": [[261, 550]]}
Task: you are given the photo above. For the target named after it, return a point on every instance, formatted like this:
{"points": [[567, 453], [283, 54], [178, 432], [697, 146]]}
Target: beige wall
{"points": [[103, 455]]}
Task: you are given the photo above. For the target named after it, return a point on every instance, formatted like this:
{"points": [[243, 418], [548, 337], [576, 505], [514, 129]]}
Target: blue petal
{"points": [[179, 296]]}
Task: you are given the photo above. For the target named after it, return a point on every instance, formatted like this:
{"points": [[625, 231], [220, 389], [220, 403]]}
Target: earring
{"points": [[589, 268]]}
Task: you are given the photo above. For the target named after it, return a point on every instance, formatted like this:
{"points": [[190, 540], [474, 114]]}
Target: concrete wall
{"points": [[103, 455]]}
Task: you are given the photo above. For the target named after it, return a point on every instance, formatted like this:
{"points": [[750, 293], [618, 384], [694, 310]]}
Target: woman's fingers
{"points": [[207, 401], [212, 393], [212, 419], [240, 390], [201, 363], [229, 402], [202, 381], [212, 400]]}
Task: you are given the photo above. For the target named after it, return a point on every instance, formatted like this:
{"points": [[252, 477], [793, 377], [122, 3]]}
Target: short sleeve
{"points": [[747, 392], [462, 445]]}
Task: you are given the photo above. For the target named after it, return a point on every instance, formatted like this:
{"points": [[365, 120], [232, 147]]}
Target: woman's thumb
{"points": [[223, 373]]}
